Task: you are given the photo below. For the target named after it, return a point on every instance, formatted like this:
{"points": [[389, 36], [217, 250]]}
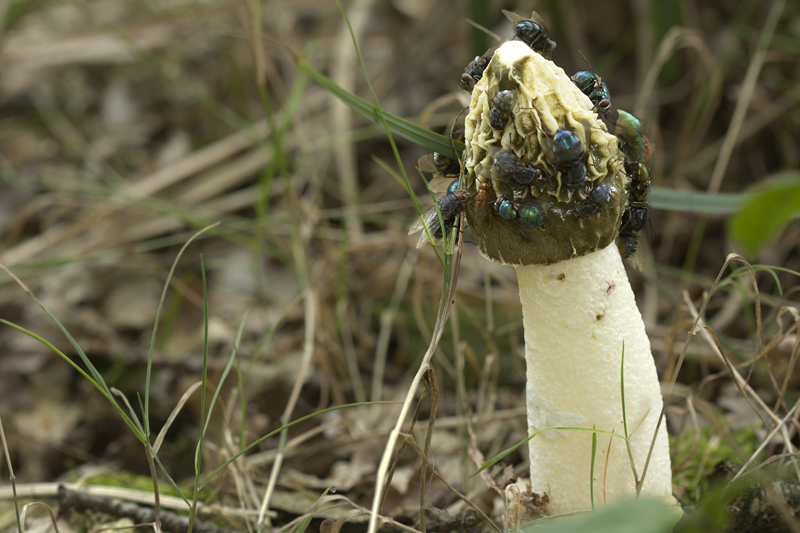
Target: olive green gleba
{"points": [[549, 130]]}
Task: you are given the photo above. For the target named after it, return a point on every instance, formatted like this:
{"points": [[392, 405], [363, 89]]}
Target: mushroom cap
{"points": [[546, 102]]}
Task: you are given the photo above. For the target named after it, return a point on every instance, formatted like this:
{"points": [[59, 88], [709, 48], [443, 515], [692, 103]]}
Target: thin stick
{"points": [[484, 29]]}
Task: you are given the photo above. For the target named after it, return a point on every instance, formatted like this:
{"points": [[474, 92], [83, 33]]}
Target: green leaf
{"points": [[634, 516], [307, 520], [412, 132], [767, 212], [479, 13], [696, 202]]}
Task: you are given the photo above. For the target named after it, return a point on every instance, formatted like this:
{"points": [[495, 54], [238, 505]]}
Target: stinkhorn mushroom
{"points": [[548, 183]]}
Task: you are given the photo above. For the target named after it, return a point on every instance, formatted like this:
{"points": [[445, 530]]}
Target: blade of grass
{"points": [[104, 391], [408, 130], [591, 467], [622, 391], [198, 454], [242, 402], [151, 463], [222, 378], [124, 399], [500, 456], [146, 413], [98, 379], [696, 201], [198, 451], [172, 482], [380, 113], [414, 199], [625, 418], [479, 12], [307, 520]]}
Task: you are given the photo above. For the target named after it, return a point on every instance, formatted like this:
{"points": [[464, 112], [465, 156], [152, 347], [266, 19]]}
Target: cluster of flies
{"points": [[564, 150], [637, 150]]}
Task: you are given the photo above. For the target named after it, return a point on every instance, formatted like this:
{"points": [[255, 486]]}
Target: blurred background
{"points": [[128, 125]]}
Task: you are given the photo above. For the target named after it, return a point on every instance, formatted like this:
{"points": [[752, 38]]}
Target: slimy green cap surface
{"points": [[546, 101]]}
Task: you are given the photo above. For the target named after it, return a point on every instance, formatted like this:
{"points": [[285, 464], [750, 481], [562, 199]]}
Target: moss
{"points": [[710, 451]]}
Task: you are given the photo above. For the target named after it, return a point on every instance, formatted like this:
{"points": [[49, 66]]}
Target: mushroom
{"points": [[578, 306]]}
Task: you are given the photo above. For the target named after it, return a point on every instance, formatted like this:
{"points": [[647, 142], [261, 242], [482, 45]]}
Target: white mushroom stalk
{"points": [[578, 305], [577, 314]]}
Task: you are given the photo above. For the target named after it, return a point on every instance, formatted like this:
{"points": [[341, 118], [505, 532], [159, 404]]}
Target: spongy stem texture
{"points": [[577, 315]]}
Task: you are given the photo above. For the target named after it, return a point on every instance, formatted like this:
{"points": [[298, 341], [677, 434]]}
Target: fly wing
{"points": [[487, 168], [535, 17], [649, 148], [548, 147], [513, 17], [539, 21], [423, 238], [533, 234], [617, 198], [487, 55], [425, 164], [440, 184], [421, 222], [429, 219], [637, 259]]}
